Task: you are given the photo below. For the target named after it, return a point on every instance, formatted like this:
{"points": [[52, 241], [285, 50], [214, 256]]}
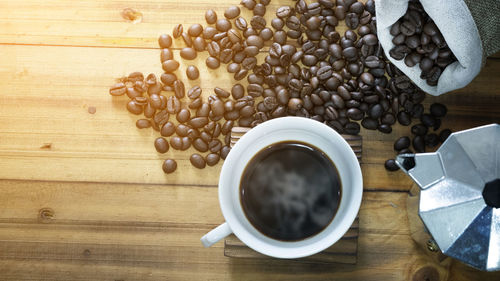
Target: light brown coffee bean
{"points": [[183, 115], [134, 108], [232, 12], [196, 103], [198, 122], [210, 16], [259, 10], [212, 159], [229, 105], [179, 89], [170, 66], [149, 111], [161, 145], [176, 142], [233, 67], [194, 92], [214, 145], [167, 129], [212, 62], [200, 145], [143, 123], [240, 74], [169, 166], [165, 41], [221, 93], [173, 105], [118, 89], [187, 39], [199, 44], [177, 31], [237, 91], [217, 107], [217, 130], [254, 40], [224, 151], [197, 161], [203, 110], [186, 143], [182, 130], [195, 30], [188, 53], [241, 23], [223, 25], [192, 72], [166, 54], [168, 78]]}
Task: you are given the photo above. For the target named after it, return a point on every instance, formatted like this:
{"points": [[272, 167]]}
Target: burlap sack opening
{"points": [[470, 27]]}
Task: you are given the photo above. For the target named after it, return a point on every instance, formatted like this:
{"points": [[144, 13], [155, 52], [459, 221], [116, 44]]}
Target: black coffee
{"points": [[290, 191]]}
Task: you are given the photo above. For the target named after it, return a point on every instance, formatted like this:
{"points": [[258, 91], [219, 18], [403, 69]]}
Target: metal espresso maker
{"points": [[460, 195]]}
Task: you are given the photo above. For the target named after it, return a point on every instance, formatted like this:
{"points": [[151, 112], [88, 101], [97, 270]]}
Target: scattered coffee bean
{"points": [[419, 144], [161, 145], [402, 143], [143, 123], [232, 12], [197, 161], [212, 159], [390, 165], [212, 62], [188, 53], [438, 110], [177, 31], [169, 166], [165, 41], [192, 72]]}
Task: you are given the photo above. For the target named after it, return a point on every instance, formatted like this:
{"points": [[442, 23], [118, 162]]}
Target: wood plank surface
{"points": [[83, 196]]}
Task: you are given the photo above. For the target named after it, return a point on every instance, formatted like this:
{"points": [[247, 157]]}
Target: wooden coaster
{"points": [[344, 251]]}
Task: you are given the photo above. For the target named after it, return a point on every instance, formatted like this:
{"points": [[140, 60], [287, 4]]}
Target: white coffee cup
{"points": [[278, 130]]}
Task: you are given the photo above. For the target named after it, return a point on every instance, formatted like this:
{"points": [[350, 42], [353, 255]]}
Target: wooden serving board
{"points": [[344, 251]]}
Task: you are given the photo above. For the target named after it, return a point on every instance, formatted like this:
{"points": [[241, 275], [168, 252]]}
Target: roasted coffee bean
{"points": [[173, 105], [355, 114], [232, 12], [254, 40], [404, 118], [217, 107], [212, 62], [118, 89], [223, 25], [431, 140], [177, 31], [198, 122], [212, 159], [161, 145], [194, 92], [170, 65], [197, 161], [438, 110], [233, 67], [240, 74], [134, 108], [384, 128], [405, 151], [210, 16], [376, 111], [188, 53], [166, 54], [224, 151], [444, 134], [196, 103], [143, 123], [182, 130], [419, 144], [352, 128], [209, 32], [168, 78], [237, 91], [179, 89], [340, 12], [195, 30], [165, 41], [215, 145], [402, 143], [186, 143], [352, 20], [428, 120], [221, 93], [258, 22], [183, 115], [419, 129], [295, 103], [369, 123], [255, 90], [240, 23], [390, 165], [200, 145], [259, 10], [167, 129], [169, 166], [176, 142]]}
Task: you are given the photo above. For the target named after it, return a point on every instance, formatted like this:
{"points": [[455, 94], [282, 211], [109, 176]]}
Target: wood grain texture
{"points": [[95, 204]]}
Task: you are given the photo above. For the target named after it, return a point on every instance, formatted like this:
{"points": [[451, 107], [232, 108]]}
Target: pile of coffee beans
{"points": [[422, 137], [418, 40], [310, 70]]}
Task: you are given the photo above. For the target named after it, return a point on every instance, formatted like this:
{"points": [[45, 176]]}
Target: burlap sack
{"points": [[470, 27]]}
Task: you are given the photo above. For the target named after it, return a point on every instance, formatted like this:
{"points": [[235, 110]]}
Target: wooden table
{"points": [[83, 196]]}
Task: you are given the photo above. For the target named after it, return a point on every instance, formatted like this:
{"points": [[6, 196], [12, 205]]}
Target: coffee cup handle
{"points": [[216, 234]]}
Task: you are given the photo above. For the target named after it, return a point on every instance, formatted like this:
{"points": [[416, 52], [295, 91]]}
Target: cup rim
{"points": [[294, 123]]}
